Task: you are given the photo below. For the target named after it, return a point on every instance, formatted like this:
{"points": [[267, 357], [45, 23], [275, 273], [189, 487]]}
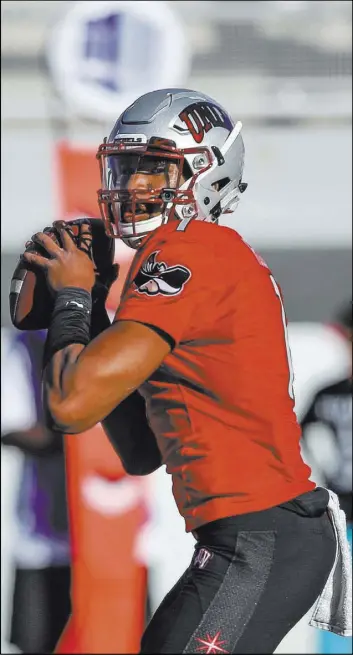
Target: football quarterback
{"points": [[194, 373]]}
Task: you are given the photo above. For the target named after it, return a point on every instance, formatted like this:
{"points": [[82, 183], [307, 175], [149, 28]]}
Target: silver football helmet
{"points": [[172, 153]]}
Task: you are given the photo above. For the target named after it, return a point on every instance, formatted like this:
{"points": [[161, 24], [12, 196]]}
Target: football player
{"points": [[194, 373]]}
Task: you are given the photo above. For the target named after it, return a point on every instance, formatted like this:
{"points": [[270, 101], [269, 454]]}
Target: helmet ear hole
{"points": [[221, 183]]}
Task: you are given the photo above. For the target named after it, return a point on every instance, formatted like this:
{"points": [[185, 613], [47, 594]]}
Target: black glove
{"points": [[90, 236], [31, 301]]}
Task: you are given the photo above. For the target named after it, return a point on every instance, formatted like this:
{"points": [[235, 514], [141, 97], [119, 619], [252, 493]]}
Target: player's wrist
{"points": [[70, 322], [78, 285], [73, 295]]}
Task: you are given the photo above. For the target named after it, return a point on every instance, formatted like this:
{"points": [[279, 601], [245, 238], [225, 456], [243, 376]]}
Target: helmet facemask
{"points": [[139, 187]]}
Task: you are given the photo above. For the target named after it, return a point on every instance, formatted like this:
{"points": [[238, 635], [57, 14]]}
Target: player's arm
{"points": [[126, 426], [85, 381], [83, 385], [130, 434]]}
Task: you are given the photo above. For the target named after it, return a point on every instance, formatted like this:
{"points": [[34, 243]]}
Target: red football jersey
{"points": [[221, 404]]}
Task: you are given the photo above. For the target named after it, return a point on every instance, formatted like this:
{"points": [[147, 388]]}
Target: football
{"points": [[31, 300]]}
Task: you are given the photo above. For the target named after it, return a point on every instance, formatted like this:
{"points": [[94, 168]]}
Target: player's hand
{"points": [[66, 266]]}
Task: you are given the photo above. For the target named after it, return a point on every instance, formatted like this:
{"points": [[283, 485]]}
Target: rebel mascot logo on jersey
{"points": [[156, 278]]}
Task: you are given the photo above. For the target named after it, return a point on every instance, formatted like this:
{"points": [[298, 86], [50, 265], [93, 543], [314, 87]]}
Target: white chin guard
{"points": [[132, 233]]}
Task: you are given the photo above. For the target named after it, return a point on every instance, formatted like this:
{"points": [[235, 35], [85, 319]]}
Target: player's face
{"points": [[144, 183], [140, 182]]}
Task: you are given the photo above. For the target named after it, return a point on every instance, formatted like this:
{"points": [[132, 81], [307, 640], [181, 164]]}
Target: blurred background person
{"points": [[331, 408], [41, 553], [329, 448], [283, 68]]}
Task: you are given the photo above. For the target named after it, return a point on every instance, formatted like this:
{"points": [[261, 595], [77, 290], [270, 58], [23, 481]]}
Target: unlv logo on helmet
{"points": [[158, 278], [200, 118]]}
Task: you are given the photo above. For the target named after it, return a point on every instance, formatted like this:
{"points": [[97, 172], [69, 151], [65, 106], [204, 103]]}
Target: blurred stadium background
{"points": [[284, 69]]}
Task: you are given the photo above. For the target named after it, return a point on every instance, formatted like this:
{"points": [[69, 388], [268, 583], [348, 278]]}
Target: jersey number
{"points": [[289, 356], [184, 223]]}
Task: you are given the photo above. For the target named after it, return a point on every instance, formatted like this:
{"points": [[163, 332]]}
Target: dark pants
{"points": [[41, 608], [252, 578]]}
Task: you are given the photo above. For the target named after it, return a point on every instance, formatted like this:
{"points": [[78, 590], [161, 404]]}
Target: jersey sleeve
{"points": [[168, 289]]}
